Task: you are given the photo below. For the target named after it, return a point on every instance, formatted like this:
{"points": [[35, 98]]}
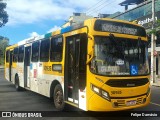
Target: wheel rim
{"points": [[59, 98]]}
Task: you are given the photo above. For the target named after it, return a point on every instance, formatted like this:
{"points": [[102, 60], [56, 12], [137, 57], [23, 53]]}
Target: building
{"points": [[103, 15], [126, 3], [142, 14], [76, 18]]}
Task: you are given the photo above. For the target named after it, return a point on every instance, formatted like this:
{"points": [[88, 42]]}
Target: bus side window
{"points": [[35, 52], [56, 49], [21, 54], [44, 50], [7, 56], [15, 55]]}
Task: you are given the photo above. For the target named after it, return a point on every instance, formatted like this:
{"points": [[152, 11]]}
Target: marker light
{"points": [[105, 95]]}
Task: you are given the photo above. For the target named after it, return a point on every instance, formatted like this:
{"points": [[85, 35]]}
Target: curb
{"points": [[1, 67], [154, 84]]}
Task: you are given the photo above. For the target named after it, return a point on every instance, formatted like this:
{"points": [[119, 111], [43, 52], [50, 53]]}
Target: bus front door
{"points": [[27, 66], [75, 68]]}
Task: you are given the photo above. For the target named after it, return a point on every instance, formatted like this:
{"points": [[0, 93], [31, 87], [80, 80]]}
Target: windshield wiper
{"points": [[115, 43]]}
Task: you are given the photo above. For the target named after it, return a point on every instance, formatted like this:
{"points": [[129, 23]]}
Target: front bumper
{"points": [[97, 103]]}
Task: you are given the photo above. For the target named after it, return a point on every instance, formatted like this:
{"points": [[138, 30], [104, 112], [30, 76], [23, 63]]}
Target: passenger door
{"points": [[75, 67], [27, 66]]}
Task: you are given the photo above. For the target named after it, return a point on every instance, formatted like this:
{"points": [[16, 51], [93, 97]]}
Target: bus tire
{"points": [[58, 98], [18, 88]]}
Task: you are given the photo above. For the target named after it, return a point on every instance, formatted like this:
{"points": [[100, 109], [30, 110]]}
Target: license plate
{"points": [[130, 103]]}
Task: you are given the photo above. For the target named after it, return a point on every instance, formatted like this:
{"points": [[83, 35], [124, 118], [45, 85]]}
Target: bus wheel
{"points": [[58, 97], [18, 88]]}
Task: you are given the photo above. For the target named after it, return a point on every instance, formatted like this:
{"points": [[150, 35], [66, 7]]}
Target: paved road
{"points": [[11, 100]]}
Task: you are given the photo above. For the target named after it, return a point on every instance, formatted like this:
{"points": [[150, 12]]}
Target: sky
{"points": [[28, 18]]}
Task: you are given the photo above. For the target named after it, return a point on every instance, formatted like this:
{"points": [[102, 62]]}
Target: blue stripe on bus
{"points": [[67, 29], [47, 35]]}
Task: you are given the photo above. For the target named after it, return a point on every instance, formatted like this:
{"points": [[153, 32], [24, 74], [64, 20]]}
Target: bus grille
{"points": [[139, 101], [127, 82], [122, 103]]}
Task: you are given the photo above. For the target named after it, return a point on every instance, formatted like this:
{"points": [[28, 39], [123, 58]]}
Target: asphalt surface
{"points": [[11, 100]]}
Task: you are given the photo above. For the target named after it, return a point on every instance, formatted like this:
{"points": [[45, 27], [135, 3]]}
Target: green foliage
{"points": [[4, 42], [154, 31], [3, 14]]}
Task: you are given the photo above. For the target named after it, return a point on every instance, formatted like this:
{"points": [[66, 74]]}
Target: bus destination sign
{"points": [[119, 27]]}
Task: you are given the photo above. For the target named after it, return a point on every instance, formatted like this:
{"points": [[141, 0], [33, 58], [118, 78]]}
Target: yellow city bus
{"points": [[97, 65]]}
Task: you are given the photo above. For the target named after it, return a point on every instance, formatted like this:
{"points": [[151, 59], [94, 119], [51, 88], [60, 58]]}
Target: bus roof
{"points": [[11, 47], [70, 28], [32, 39]]}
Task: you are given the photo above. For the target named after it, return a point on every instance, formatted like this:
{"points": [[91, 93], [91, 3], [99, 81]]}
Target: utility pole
{"points": [[153, 46]]}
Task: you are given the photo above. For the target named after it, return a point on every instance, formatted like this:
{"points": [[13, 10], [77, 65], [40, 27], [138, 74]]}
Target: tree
{"points": [[3, 14], [4, 42], [156, 28]]}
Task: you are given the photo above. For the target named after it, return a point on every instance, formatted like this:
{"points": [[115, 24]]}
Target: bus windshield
{"points": [[120, 56]]}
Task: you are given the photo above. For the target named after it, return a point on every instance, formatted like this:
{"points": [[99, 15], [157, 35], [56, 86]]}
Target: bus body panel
{"points": [[21, 74], [6, 73], [33, 77]]}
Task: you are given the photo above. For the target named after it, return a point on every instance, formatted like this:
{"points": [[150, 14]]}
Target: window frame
{"points": [[19, 59], [15, 55], [40, 54], [33, 58], [52, 49]]}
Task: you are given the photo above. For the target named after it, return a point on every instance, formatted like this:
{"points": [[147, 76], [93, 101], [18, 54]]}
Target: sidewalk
{"points": [[1, 67], [157, 83]]}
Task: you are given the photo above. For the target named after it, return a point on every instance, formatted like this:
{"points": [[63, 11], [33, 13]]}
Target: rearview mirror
{"points": [[90, 48]]}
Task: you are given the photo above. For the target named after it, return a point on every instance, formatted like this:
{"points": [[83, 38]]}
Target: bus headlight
{"points": [[100, 92], [95, 89]]}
